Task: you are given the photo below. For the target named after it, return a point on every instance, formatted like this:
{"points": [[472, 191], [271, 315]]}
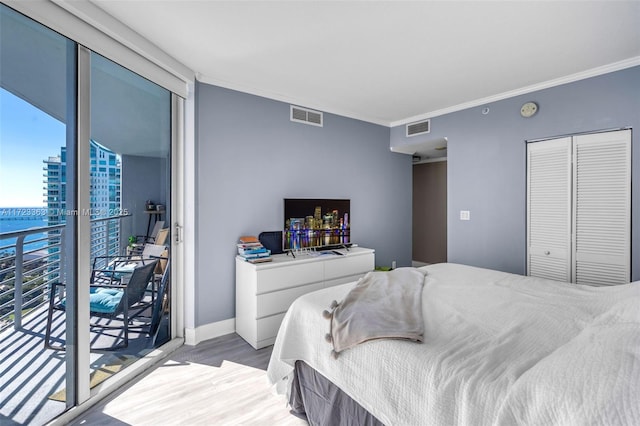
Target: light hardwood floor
{"points": [[218, 382]]}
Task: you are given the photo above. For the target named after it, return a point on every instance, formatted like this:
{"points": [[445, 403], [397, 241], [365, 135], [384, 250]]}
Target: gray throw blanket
{"points": [[382, 305]]}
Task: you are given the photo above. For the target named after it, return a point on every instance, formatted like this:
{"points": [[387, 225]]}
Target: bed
{"points": [[499, 349]]}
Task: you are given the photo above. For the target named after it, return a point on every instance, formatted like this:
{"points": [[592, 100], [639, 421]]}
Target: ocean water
{"points": [[20, 218]]}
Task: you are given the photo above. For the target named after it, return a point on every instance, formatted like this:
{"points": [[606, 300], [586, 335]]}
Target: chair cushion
{"points": [[101, 300], [123, 270], [105, 300]]}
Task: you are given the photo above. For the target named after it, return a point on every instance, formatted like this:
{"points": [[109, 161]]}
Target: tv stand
{"points": [[331, 247], [334, 247], [264, 291]]}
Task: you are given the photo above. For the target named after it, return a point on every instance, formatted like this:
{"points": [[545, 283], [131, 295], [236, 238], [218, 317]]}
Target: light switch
{"points": [[465, 215]]}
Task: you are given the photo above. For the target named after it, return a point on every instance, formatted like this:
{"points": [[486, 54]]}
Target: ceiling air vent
{"points": [[306, 116], [418, 128]]}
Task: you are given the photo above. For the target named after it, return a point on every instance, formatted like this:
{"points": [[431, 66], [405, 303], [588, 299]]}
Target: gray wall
{"points": [[143, 178], [250, 156], [487, 162]]}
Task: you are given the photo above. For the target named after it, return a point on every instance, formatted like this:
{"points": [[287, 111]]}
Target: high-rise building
{"points": [[56, 187], [105, 172], [55, 199], [105, 181], [104, 200]]}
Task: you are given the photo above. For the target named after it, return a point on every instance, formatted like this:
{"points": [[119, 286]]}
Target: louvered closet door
{"points": [[549, 209], [602, 201]]}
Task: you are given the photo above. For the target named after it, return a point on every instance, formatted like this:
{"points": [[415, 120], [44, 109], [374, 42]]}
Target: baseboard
{"points": [[193, 336], [417, 264]]}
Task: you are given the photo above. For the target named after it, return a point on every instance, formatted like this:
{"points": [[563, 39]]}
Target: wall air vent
{"points": [[419, 128], [306, 116]]}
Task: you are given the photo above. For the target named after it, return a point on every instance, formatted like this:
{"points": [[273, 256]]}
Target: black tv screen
{"points": [[316, 223]]}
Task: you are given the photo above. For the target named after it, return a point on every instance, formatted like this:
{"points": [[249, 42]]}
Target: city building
{"points": [[105, 172]]}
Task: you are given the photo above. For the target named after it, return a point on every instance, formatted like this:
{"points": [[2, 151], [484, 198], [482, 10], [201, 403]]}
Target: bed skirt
{"points": [[320, 402]]}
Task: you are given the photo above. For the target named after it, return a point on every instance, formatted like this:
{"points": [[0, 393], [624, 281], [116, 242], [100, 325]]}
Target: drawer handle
{"points": [[547, 252]]}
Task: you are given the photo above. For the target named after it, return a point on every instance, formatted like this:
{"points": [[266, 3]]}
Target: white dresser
{"points": [[264, 291]]}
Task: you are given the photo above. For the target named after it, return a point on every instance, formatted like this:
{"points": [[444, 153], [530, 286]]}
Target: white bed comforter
{"points": [[499, 349]]}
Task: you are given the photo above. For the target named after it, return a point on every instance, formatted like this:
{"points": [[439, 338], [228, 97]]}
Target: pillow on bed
{"points": [[382, 305]]}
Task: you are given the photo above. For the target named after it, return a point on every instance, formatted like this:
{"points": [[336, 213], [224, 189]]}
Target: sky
{"points": [[27, 137]]}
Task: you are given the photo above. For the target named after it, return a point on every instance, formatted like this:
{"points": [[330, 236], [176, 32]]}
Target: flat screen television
{"points": [[317, 223]]}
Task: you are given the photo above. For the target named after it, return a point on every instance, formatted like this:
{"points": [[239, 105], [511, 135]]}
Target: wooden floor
{"points": [[218, 382]]}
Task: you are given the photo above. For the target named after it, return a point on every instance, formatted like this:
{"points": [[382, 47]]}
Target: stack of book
{"points": [[253, 251]]}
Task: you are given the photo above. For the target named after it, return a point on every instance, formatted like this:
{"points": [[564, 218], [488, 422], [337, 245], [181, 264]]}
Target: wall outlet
{"points": [[393, 264], [465, 215]]}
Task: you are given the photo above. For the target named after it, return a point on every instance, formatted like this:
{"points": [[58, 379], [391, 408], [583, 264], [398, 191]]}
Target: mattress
{"points": [[498, 349]]}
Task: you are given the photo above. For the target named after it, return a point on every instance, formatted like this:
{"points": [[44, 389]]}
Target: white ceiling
{"points": [[388, 62]]}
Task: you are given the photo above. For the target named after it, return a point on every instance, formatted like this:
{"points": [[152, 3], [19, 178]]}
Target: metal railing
{"points": [[28, 267]]}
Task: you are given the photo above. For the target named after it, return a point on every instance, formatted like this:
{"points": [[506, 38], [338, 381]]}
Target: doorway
{"points": [[429, 213]]}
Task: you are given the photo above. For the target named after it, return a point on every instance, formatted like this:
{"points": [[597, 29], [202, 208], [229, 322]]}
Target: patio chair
{"points": [[138, 247], [105, 266], [125, 300], [106, 269], [153, 236]]}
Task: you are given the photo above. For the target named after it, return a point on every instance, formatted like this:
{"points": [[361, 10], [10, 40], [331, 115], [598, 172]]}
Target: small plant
{"points": [[132, 240]]}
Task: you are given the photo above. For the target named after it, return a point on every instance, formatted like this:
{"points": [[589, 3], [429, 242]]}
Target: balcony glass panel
{"points": [[129, 148], [38, 103]]}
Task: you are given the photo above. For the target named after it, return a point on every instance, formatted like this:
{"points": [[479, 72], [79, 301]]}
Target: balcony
{"points": [[33, 378]]}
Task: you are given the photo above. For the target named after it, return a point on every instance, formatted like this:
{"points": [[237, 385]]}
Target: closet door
{"points": [[549, 209], [602, 208]]}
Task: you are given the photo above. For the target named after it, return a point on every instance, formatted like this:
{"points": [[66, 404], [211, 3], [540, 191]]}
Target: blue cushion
{"points": [[101, 300], [104, 300], [125, 269], [109, 291]]}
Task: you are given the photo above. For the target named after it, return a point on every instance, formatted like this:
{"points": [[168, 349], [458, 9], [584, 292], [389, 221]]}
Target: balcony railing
{"points": [[36, 259]]}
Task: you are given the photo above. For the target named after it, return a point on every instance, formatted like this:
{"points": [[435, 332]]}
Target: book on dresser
{"points": [[247, 252], [249, 239], [251, 250], [264, 291]]}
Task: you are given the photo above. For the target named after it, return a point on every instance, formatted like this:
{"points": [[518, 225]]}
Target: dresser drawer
{"points": [[273, 279], [348, 265], [267, 328], [279, 301]]}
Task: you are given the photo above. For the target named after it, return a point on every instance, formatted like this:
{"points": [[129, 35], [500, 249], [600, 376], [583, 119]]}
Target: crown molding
{"points": [[593, 72]]}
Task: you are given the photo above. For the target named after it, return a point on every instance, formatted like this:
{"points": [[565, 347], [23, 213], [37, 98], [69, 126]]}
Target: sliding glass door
{"points": [[38, 106], [85, 189], [130, 191]]}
